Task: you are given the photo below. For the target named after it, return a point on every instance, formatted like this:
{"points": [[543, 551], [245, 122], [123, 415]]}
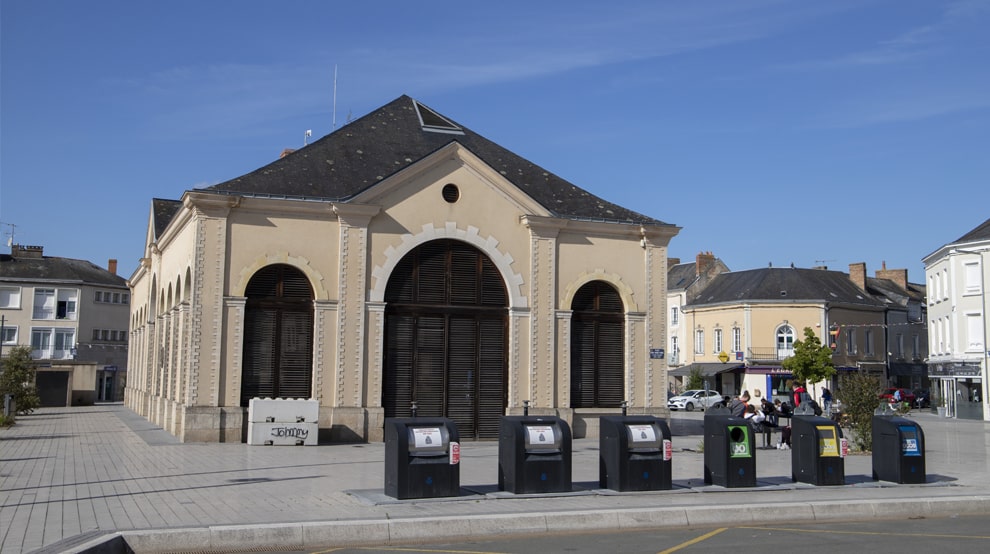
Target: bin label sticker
{"points": [[668, 450], [642, 433], [540, 434], [828, 447], [843, 447], [909, 441], [455, 453], [427, 437]]}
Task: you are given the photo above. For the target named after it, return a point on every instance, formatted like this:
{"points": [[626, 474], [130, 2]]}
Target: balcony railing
{"points": [[769, 354]]}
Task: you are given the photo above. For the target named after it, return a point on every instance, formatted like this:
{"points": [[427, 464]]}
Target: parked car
{"points": [[691, 399], [906, 395], [922, 398]]}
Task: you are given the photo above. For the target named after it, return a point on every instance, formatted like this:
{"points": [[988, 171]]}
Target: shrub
{"points": [[18, 379], [859, 393]]}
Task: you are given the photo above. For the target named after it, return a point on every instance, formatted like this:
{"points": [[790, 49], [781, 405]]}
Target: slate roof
{"points": [[981, 232], [52, 268], [162, 213], [782, 285], [681, 275], [391, 138], [892, 292]]}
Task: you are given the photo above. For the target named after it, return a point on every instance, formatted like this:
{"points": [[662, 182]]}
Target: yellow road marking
{"points": [[406, 549], [872, 533], [704, 537]]}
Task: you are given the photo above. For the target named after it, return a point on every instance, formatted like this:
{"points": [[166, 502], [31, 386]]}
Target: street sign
{"points": [[656, 353]]}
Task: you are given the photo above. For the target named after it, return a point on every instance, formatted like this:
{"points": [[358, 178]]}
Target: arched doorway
{"points": [[278, 335], [445, 338], [597, 352]]}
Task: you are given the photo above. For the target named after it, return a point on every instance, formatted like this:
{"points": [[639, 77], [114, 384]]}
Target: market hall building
{"points": [[401, 259]]}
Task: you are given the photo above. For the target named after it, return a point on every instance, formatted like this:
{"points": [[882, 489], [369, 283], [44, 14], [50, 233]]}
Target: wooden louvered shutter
{"points": [[295, 355], [611, 376], [462, 386], [492, 375], [582, 364], [597, 352], [430, 366], [398, 390], [259, 354], [278, 335]]}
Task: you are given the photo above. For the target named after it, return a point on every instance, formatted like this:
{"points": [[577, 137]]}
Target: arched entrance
{"points": [[445, 338], [597, 352], [278, 335]]}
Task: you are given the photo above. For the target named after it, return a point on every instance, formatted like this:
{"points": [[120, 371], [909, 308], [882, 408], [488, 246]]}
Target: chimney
{"points": [[898, 276], [286, 152], [673, 261], [21, 251], [857, 274], [112, 266], [703, 261]]}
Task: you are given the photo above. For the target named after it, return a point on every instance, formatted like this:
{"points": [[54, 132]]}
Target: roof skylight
{"points": [[432, 121]]}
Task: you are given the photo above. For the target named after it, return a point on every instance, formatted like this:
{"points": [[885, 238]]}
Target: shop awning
{"points": [[707, 369]]}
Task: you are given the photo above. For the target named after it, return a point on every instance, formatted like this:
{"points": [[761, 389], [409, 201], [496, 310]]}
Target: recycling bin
{"points": [[818, 451], [898, 450], [534, 454], [634, 453], [422, 458], [730, 450]]}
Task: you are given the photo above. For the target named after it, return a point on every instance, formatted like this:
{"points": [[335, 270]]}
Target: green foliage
{"points": [[695, 380], [18, 379], [859, 393], [812, 361]]}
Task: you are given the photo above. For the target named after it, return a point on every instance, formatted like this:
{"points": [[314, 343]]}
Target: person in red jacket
{"points": [[799, 394]]}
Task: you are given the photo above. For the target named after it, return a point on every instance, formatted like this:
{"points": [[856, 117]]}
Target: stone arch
{"points": [[625, 291], [316, 279], [489, 246]]}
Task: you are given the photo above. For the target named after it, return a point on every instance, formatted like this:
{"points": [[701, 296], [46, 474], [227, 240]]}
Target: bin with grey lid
{"points": [[634, 453], [818, 449], [898, 450], [730, 450], [422, 458], [534, 454]]}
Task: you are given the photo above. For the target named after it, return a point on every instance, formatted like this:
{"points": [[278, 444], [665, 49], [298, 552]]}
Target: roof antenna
{"points": [[334, 123], [306, 135]]}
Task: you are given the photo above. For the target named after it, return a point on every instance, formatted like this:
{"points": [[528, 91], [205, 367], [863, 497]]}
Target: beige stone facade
{"points": [[189, 294]]}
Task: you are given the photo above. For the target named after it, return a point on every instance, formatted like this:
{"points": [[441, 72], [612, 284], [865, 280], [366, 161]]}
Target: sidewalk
{"points": [[70, 478]]}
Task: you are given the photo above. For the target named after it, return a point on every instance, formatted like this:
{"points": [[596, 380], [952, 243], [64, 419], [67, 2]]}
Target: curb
{"points": [[309, 535]]}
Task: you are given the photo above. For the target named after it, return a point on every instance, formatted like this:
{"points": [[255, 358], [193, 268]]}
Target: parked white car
{"points": [[691, 399]]}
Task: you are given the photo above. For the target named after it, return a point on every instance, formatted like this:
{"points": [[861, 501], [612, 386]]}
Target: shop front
{"points": [[958, 387]]}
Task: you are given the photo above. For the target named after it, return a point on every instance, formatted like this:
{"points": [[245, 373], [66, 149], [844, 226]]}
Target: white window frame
{"points": [[717, 341], [974, 332], [736, 339], [56, 343], [12, 297], [10, 330], [674, 315], [699, 341], [972, 279]]}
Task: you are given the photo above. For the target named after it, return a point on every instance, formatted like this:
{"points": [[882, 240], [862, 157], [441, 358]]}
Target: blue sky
{"points": [[771, 131]]}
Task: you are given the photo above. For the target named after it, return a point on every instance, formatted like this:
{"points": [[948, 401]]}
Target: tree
{"points": [[812, 361], [18, 379], [695, 379]]}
